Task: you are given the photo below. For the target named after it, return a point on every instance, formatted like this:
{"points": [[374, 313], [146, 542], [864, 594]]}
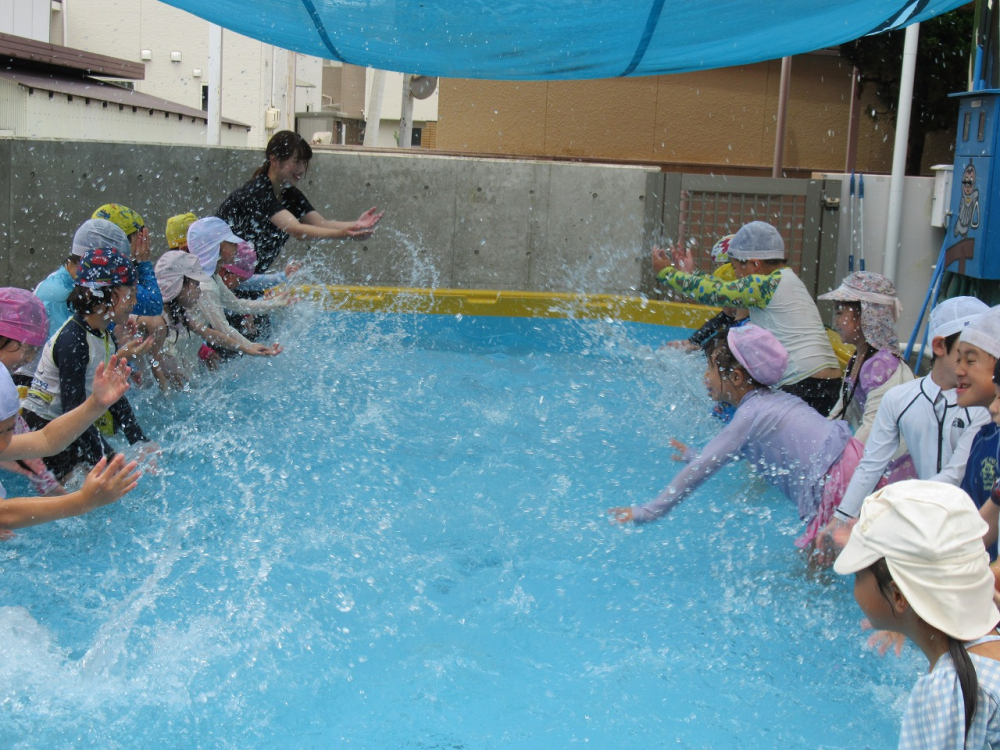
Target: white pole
{"points": [[895, 210], [373, 116], [214, 85], [406, 118]]}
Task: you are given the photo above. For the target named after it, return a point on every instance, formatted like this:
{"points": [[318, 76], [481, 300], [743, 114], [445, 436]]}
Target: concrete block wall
{"points": [[450, 222]]}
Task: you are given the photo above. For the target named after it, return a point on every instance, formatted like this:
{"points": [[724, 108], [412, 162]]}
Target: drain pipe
{"points": [[373, 116], [214, 85], [779, 134], [895, 210]]}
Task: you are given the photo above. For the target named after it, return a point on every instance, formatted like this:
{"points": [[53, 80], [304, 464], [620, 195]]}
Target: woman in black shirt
{"points": [[269, 209]]}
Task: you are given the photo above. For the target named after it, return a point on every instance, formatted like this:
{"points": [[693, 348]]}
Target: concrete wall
{"points": [[450, 222]]}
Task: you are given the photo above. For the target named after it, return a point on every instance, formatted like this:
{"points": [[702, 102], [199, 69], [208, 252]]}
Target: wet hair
{"points": [[178, 312], [83, 301], [718, 352], [949, 343], [996, 373], [964, 668], [6, 341], [284, 145]]}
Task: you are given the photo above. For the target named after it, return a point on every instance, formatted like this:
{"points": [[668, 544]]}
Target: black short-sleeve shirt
{"points": [[248, 212]]}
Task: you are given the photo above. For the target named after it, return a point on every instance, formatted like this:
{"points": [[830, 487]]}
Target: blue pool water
{"points": [[394, 536]]}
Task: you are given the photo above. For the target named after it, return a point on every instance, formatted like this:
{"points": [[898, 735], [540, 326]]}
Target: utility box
{"points": [[272, 117], [974, 248], [941, 200]]}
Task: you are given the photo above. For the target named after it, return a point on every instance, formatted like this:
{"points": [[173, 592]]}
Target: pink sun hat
{"points": [[23, 317], [757, 349]]}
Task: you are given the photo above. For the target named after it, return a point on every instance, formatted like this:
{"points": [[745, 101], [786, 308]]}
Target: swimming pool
{"points": [[393, 536]]}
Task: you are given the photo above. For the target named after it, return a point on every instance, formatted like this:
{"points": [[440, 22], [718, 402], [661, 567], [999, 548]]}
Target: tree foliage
{"points": [[942, 69]]}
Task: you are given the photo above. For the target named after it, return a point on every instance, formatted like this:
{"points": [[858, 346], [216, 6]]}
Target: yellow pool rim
{"points": [[513, 304], [510, 304]]}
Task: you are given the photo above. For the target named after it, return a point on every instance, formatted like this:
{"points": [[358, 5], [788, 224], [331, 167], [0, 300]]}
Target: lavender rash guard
{"points": [[787, 441]]}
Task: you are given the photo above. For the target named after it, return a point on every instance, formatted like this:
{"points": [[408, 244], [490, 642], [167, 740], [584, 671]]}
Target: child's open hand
{"points": [[292, 268], [683, 259], [661, 259], [148, 457], [681, 450], [883, 640], [621, 515], [259, 350], [111, 380], [830, 540], [107, 482], [135, 347]]}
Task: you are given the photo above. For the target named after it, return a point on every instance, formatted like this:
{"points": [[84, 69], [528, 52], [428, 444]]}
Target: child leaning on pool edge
{"points": [[776, 300], [806, 456], [104, 294], [921, 570]]}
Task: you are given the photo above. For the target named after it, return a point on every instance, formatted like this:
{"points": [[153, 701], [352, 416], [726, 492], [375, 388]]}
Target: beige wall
{"points": [[715, 117]]}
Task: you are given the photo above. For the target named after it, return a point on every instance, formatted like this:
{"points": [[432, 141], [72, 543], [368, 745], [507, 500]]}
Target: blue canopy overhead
{"points": [[559, 39]]}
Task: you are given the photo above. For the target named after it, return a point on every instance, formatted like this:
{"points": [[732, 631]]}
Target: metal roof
{"points": [[102, 91]]}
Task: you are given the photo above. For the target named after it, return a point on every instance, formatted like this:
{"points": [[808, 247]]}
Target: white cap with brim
{"points": [[954, 315], [931, 536], [172, 268], [757, 240], [204, 237], [100, 233], [984, 333]]}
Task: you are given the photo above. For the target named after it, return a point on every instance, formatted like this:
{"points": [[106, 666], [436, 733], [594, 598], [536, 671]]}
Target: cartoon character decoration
{"points": [[968, 210]]}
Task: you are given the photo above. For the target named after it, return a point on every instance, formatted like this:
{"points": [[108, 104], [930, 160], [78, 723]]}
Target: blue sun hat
{"points": [[102, 268]]}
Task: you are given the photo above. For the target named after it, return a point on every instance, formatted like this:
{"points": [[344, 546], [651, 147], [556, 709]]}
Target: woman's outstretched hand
{"points": [[363, 228]]}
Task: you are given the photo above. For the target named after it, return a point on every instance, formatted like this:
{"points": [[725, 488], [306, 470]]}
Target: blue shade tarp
{"points": [[558, 39]]}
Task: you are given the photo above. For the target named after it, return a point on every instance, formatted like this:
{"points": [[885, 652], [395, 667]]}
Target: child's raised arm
{"points": [[109, 385], [105, 483]]}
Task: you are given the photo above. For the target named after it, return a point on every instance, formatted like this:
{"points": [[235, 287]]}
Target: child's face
{"points": [[123, 302], [6, 432], [230, 279], [847, 321], [869, 597], [189, 294], [16, 354], [995, 406], [974, 376], [227, 253], [944, 362], [718, 387]]}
